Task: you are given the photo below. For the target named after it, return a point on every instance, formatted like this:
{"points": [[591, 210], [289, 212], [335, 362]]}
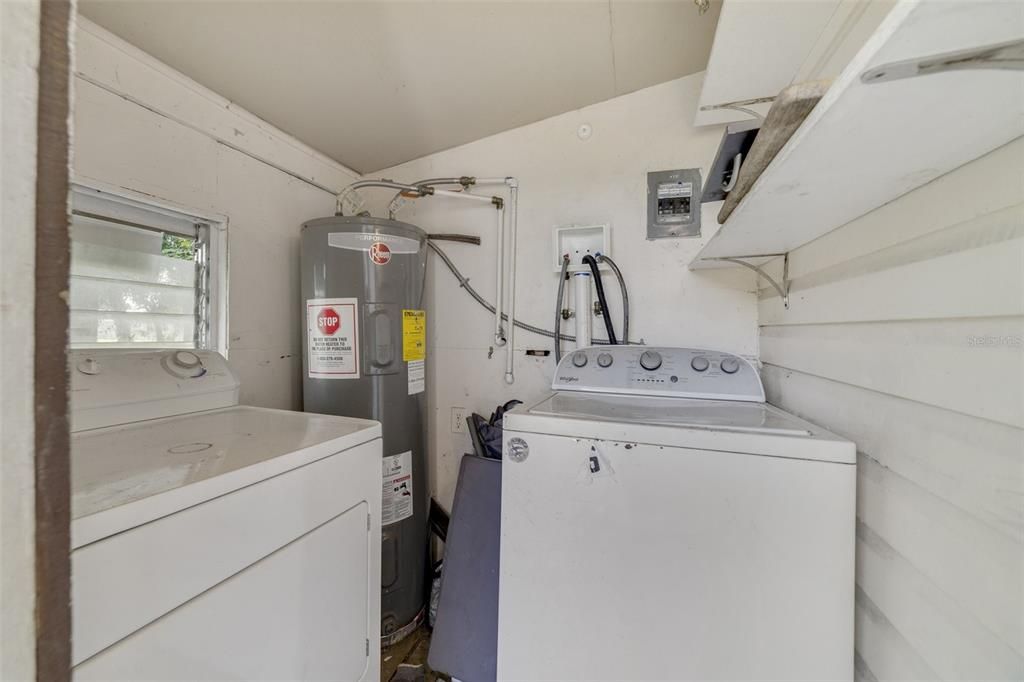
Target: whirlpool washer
{"points": [[660, 521]]}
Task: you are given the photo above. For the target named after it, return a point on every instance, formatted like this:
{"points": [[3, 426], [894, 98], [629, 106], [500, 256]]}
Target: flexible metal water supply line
{"points": [[388, 184], [484, 303], [424, 189], [428, 188], [396, 201], [558, 307], [502, 337]]}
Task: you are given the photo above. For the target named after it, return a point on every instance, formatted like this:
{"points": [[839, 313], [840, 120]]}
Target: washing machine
{"points": [[214, 541], [659, 520]]}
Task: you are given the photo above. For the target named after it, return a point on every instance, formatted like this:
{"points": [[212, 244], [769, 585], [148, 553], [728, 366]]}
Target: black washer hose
{"points": [[589, 260]]}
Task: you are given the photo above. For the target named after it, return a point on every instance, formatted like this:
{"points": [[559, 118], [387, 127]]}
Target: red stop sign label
{"points": [[328, 321], [380, 253]]}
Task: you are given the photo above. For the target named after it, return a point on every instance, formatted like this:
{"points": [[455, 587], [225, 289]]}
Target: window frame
{"points": [[117, 205]]}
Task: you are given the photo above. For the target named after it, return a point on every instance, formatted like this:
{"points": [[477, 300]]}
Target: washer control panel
{"points": [[659, 371]]}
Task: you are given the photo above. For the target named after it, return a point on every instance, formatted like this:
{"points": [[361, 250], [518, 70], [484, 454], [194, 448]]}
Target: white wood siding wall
{"points": [[904, 334]]}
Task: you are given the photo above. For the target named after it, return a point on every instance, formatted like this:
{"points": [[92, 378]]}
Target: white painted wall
{"points": [[905, 333], [19, 52], [566, 180], [144, 128]]}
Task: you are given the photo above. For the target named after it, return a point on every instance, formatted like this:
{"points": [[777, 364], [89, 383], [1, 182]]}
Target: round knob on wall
{"points": [[579, 359], [699, 364], [604, 360], [650, 360], [730, 365]]}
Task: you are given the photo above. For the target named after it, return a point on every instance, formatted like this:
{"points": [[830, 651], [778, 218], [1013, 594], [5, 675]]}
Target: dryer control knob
{"points": [[730, 365], [89, 366], [579, 359], [186, 359], [604, 360], [650, 360], [699, 364]]}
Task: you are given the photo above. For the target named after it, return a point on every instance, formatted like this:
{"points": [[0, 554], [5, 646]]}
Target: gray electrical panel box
{"points": [[673, 203]]}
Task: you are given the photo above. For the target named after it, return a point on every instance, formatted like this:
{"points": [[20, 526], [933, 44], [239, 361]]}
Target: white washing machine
{"points": [[660, 521], [212, 541]]}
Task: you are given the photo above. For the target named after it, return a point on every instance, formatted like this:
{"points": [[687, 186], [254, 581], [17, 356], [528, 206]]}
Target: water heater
{"points": [[364, 341]]}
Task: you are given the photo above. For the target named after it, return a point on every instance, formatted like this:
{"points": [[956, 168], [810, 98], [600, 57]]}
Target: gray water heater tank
{"points": [[364, 345]]}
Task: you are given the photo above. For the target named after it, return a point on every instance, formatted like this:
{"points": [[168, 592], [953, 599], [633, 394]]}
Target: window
{"points": [[143, 276]]}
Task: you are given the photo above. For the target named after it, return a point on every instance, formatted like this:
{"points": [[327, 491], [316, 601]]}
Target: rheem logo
{"points": [[328, 321], [380, 253]]}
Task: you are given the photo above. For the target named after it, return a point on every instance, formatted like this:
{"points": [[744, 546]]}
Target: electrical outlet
{"points": [[459, 415]]}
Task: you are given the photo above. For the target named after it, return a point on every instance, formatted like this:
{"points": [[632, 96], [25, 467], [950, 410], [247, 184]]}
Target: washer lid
{"points": [[715, 425], [123, 476], [719, 415]]}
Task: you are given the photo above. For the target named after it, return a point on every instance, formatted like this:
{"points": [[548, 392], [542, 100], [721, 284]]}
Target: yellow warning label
{"points": [[414, 335]]}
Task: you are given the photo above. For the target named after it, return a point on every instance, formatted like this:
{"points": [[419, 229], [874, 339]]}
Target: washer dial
{"points": [[650, 360], [730, 365]]}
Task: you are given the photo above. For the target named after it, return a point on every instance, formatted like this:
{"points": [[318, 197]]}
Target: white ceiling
{"points": [[375, 83]]}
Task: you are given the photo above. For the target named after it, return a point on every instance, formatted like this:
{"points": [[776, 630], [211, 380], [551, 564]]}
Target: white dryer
{"points": [[660, 521], [212, 541]]}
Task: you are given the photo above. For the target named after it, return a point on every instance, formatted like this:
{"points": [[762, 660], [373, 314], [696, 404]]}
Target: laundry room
{"points": [[512, 340]]}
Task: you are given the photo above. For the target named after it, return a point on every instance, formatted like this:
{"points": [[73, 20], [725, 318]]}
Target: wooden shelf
{"points": [[866, 144]]}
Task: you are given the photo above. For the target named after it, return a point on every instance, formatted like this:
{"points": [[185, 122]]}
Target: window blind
{"points": [[133, 286]]}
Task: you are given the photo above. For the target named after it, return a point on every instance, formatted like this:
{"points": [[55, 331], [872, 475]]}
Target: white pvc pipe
{"points": [[583, 303], [499, 336], [502, 337], [462, 195], [513, 218], [499, 297]]}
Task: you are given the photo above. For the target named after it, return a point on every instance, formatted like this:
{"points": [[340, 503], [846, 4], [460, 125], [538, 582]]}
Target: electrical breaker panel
{"points": [[673, 203]]}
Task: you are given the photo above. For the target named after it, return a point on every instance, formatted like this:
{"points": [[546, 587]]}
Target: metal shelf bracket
{"points": [[782, 289], [1003, 56]]}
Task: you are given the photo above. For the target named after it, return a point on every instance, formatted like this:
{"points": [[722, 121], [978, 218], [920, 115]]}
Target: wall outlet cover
{"points": [[459, 415]]}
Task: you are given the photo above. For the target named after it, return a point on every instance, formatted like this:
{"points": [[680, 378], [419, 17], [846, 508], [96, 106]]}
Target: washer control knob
{"points": [[650, 360], [730, 365], [186, 359], [699, 364], [604, 359], [579, 359]]}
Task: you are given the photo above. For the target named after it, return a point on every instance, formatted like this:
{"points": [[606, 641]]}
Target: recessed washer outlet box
{"points": [[579, 241]]}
